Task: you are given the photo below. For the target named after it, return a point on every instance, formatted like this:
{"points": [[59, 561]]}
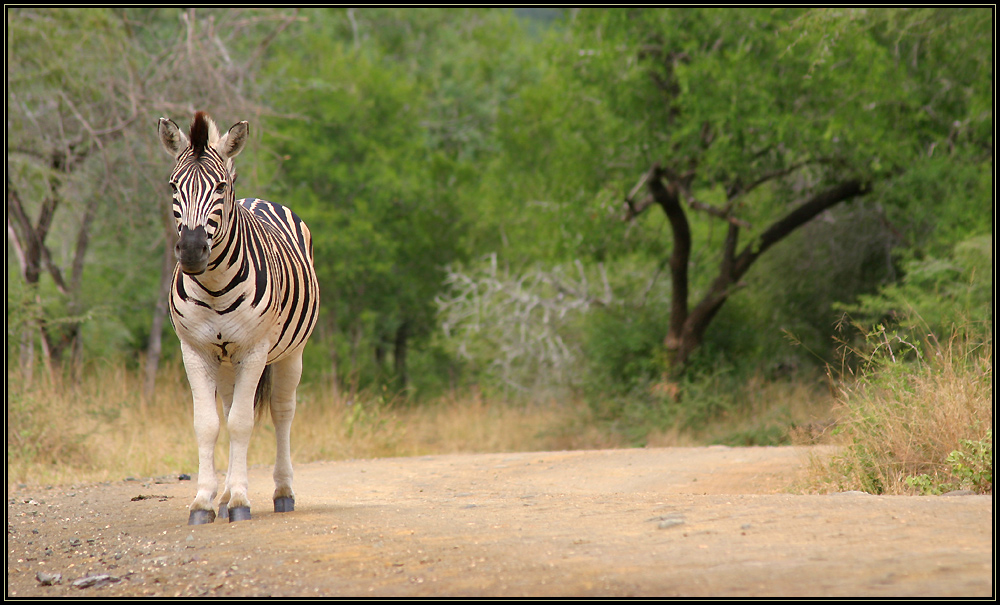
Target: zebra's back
{"points": [[286, 221]]}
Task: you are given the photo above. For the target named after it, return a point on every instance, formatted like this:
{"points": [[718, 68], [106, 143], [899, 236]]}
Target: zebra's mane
{"points": [[204, 132]]}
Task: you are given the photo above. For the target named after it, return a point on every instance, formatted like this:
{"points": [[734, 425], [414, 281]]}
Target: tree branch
{"points": [[723, 213], [21, 235], [795, 219], [739, 190], [633, 210], [683, 184], [270, 38]]}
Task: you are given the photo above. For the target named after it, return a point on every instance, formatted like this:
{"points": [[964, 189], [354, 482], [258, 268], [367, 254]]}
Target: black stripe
{"points": [[234, 306]]}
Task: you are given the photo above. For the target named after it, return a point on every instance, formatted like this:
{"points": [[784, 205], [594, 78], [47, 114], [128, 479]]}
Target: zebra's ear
{"points": [[173, 140], [231, 144]]}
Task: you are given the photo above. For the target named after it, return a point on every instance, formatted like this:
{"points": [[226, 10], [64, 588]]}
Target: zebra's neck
{"points": [[231, 256]]}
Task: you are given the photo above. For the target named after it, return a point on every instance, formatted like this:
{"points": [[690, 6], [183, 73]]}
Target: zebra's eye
{"points": [[173, 188], [221, 187]]}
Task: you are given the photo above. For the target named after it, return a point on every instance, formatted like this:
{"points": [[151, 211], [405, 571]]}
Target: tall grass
{"points": [[911, 419], [917, 417], [95, 428], [98, 429]]}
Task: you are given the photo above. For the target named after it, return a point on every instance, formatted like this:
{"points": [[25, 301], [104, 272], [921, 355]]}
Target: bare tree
{"points": [[202, 67], [85, 87], [56, 136], [521, 319]]}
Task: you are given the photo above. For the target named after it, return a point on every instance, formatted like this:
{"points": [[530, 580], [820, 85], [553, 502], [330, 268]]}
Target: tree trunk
{"points": [[155, 345], [668, 197], [355, 372], [687, 325], [33, 256], [28, 241], [402, 336]]}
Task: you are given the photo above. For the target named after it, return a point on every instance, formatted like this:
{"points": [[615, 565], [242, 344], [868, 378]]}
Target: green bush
{"points": [[625, 350], [969, 467], [917, 416], [936, 294]]}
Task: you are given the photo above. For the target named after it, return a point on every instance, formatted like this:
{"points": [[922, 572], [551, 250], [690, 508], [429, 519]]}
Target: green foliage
{"points": [[720, 404], [936, 294], [417, 140], [86, 86], [795, 290], [623, 365], [971, 466], [385, 131], [624, 350], [797, 99], [941, 201]]}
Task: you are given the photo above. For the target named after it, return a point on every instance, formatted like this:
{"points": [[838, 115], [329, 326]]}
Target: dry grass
{"points": [[901, 420], [96, 429], [99, 430]]}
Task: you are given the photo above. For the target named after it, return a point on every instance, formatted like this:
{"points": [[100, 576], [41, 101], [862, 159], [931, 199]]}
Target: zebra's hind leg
{"points": [[286, 379]]}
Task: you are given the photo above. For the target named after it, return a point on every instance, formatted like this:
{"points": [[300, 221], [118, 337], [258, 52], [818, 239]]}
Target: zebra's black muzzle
{"points": [[192, 250]]}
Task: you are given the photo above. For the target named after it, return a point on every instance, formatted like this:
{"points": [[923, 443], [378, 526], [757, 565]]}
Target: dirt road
{"points": [[667, 522]]}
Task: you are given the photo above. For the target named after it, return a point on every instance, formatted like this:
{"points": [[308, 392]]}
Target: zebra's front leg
{"points": [[240, 425], [286, 375], [225, 384], [201, 376]]}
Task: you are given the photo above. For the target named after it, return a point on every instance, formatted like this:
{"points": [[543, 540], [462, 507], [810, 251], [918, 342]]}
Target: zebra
{"points": [[244, 299]]}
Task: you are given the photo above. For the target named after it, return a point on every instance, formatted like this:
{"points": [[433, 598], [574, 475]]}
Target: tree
{"points": [[389, 112], [63, 116], [85, 89], [759, 119], [204, 75]]}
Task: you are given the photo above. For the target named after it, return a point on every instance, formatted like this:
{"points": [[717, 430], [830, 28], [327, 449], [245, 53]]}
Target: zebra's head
{"points": [[202, 184]]}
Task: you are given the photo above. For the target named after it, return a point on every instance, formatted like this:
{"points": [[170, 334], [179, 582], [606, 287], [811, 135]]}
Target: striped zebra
{"points": [[244, 300]]}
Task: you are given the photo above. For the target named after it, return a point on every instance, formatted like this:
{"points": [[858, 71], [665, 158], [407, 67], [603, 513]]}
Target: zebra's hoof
{"points": [[201, 517], [284, 504], [240, 513], [223, 511]]}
